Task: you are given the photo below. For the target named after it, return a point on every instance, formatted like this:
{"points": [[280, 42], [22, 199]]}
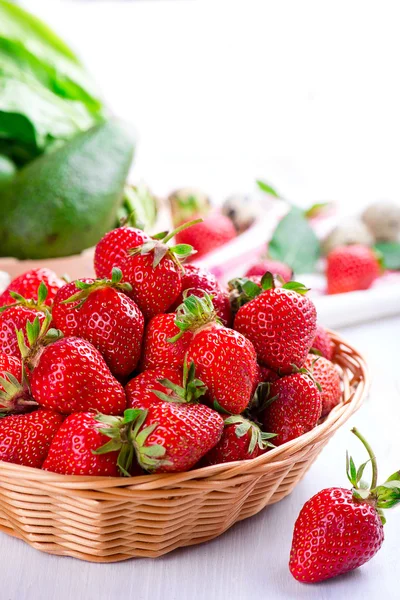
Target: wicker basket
{"points": [[104, 519]]}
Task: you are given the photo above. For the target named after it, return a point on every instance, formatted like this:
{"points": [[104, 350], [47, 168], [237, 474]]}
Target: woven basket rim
{"points": [[279, 456]]}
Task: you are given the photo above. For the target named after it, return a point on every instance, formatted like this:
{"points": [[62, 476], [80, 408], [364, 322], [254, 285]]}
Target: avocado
{"points": [[7, 169], [64, 201]]}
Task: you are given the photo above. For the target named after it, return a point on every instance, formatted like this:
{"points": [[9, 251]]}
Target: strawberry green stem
{"points": [[371, 456], [180, 228]]}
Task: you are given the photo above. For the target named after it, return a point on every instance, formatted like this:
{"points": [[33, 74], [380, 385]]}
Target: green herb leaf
{"points": [[295, 243], [316, 209], [266, 187]]}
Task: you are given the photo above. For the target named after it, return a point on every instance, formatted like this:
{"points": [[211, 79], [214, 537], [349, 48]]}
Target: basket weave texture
{"points": [[102, 519]]}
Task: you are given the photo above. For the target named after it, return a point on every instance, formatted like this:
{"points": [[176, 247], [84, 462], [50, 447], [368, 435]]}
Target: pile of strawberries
{"points": [[153, 367]]}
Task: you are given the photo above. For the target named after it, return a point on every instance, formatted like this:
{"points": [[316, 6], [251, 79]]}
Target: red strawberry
{"points": [[13, 319], [281, 324], [27, 285], [140, 390], [157, 350], [225, 360], [351, 268], [25, 439], [71, 451], [70, 375], [64, 315], [112, 249], [241, 440], [155, 273], [167, 437], [323, 343], [104, 316], [10, 364], [197, 281], [326, 375], [339, 530], [214, 231], [294, 408], [14, 397], [164, 385], [273, 266], [266, 375]]}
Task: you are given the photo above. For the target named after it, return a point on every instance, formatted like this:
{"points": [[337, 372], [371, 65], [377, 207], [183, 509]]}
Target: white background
{"points": [[302, 93]]}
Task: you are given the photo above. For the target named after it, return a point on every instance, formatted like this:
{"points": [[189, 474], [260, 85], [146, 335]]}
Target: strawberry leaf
{"points": [[390, 253], [42, 293], [267, 188], [295, 243], [267, 281], [316, 209]]}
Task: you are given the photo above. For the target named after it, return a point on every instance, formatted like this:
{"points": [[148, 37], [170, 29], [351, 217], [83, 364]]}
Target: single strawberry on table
{"points": [[294, 407], [68, 374], [338, 529], [241, 439], [25, 439], [27, 285], [100, 312], [225, 360], [279, 321], [351, 268], [327, 376], [198, 280]]}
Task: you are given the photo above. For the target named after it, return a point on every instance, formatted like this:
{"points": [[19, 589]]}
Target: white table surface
{"points": [[303, 94], [250, 560]]}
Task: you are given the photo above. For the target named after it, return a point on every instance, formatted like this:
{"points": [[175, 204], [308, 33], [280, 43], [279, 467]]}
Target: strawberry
{"points": [[155, 273], [13, 319], [326, 375], [140, 391], [198, 281], [112, 249], [64, 316], [225, 360], [338, 529], [214, 231], [69, 374], [294, 407], [351, 268], [25, 439], [157, 350], [102, 314], [275, 267], [11, 365], [280, 322], [323, 344], [241, 440], [14, 397], [266, 375], [27, 285], [71, 451], [167, 437]]}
